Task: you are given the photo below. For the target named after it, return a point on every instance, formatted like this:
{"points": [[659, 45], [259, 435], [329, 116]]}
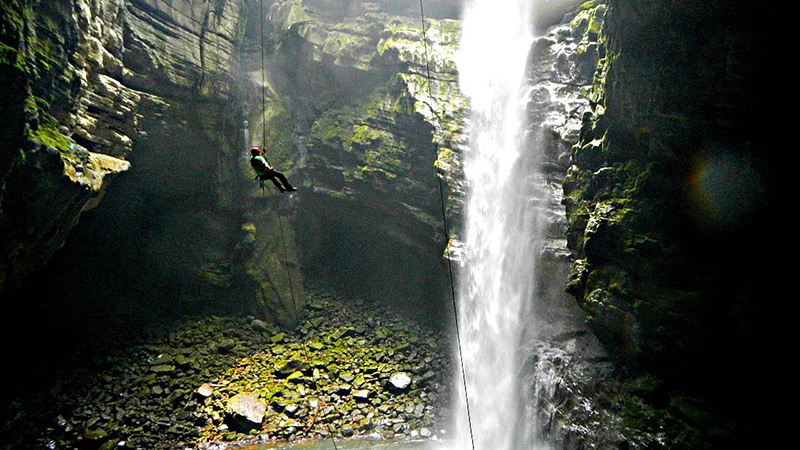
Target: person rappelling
{"points": [[264, 171]]}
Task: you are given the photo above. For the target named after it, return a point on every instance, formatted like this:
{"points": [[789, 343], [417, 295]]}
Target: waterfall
{"points": [[501, 231]]}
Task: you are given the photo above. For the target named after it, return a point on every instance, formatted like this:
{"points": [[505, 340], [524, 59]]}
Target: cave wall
{"points": [[148, 88], [352, 120], [165, 97], [671, 190]]}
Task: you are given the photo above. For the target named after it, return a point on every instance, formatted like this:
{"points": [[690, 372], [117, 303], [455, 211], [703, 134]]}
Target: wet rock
{"points": [[343, 389], [361, 395], [182, 361], [95, 435], [163, 368], [293, 365], [259, 325], [399, 382], [245, 411], [162, 360], [291, 410], [296, 377], [225, 346], [205, 390]]}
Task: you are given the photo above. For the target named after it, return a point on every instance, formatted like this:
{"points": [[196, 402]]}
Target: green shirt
{"points": [[260, 164]]}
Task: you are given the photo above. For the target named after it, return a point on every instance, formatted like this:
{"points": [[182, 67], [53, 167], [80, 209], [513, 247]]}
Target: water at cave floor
{"points": [[350, 444]]}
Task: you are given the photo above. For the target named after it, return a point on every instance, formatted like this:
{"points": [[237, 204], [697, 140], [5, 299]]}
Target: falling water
{"points": [[497, 282]]}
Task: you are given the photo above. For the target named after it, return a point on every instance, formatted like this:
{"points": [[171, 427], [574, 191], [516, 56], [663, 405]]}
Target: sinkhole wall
{"points": [[671, 191], [144, 93], [668, 190], [370, 131], [126, 195]]}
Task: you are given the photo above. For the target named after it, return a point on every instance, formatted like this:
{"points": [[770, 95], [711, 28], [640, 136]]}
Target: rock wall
{"points": [[164, 91], [668, 197], [147, 88], [351, 116]]}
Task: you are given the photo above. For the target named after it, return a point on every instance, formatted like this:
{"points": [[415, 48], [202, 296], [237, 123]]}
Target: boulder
{"points": [[399, 382], [245, 411], [205, 390], [259, 325], [361, 395]]}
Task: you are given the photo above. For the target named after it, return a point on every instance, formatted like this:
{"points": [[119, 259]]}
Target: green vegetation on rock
{"points": [[352, 367]]}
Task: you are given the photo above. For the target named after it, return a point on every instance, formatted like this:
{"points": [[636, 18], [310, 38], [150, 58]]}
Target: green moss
{"points": [[11, 18], [292, 12], [333, 128], [589, 21], [48, 135], [279, 141], [11, 57]]}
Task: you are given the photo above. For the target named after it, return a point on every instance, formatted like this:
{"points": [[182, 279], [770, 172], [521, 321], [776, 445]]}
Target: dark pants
{"points": [[278, 179]]}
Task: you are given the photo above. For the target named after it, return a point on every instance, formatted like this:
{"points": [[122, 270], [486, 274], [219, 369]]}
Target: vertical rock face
{"points": [[160, 90], [348, 89], [670, 188], [103, 87]]}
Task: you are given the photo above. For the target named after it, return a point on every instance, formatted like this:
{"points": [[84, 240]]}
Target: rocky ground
{"points": [[351, 369]]}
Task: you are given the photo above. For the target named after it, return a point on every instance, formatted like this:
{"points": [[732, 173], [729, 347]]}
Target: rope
{"points": [[441, 198], [286, 258], [446, 233], [275, 196], [264, 143]]}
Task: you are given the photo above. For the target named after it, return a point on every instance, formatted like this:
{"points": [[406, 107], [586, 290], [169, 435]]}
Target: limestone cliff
{"points": [[669, 193], [350, 114], [164, 91], [100, 87]]}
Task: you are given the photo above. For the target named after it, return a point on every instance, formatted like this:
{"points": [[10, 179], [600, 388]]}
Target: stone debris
{"points": [[248, 407], [399, 381], [352, 370]]}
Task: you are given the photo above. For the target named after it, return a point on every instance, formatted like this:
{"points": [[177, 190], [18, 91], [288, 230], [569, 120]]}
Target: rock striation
{"points": [[668, 191], [89, 76], [350, 113]]}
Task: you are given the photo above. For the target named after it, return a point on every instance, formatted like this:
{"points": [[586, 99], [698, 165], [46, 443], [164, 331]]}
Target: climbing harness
{"points": [[446, 230]]}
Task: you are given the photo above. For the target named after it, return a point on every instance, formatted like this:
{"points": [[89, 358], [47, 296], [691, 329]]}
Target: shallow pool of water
{"points": [[350, 444]]}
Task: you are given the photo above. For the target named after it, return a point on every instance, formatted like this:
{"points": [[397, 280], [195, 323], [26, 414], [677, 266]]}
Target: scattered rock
{"points": [[205, 390], [399, 382], [246, 411], [223, 380]]}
